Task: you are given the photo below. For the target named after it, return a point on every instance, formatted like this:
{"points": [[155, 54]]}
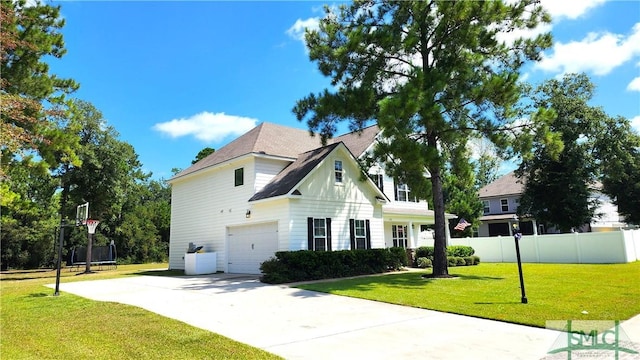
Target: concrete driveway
{"points": [[300, 324]]}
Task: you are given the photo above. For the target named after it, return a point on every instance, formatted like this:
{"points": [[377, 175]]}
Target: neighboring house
{"points": [[276, 188], [501, 200]]}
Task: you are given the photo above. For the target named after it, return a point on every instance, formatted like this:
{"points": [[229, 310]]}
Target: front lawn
{"points": [[37, 325], [492, 291]]}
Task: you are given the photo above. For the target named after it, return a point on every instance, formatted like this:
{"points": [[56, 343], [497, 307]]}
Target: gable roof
{"points": [[281, 141], [291, 176], [508, 184], [359, 141], [266, 138]]}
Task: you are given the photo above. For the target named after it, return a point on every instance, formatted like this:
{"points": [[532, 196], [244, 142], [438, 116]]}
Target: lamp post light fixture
{"points": [[517, 235]]}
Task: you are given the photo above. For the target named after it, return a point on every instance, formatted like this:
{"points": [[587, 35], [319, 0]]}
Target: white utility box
{"points": [[200, 263]]}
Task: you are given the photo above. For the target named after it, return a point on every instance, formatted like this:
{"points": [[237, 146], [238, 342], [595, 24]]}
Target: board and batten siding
{"points": [[323, 198], [202, 205]]}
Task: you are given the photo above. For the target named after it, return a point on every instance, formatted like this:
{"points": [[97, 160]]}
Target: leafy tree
{"points": [[30, 33], [460, 195], [431, 73], [618, 150], [203, 154], [558, 188], [487, 165]]}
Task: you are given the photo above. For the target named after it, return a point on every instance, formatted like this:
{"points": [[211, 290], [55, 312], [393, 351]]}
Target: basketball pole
{"points": [[59, 265]]}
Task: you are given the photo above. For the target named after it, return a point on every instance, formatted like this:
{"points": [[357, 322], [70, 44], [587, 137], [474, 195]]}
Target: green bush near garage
{"points": [[305, 265]]}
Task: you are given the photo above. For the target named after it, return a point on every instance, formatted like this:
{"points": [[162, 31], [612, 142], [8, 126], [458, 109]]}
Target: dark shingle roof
{"points": [[278, 140], [359, 141], [508, 184], [267, 138], [288, 178]]}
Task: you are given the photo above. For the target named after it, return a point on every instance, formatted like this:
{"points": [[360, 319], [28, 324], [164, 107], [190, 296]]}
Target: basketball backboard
{"points": [[82, 214]]}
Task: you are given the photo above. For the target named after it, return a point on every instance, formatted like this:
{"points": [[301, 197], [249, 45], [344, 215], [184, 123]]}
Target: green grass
{"points": [[37, 325], [492, 291]]}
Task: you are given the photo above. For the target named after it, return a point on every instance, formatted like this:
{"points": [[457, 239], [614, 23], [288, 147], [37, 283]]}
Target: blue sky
{"points": [[175, 77]]}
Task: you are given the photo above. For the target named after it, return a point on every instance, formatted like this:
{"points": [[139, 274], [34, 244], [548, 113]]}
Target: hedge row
{"points": [[304, 265], [454, 250], [426, 262]]}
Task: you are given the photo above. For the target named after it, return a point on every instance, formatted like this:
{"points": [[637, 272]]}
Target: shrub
{"points": [[468, 260], [451, 261], [291, 266], [397, 258], [425, 252], [460, 251], [476, 259], [424, 263], [460, 261]]}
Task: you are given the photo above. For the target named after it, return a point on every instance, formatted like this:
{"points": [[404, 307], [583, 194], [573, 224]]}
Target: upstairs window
{"points": [[504, 204], [239, 177], [338, 171], [378, 180], [485, 207], [403, 193]]}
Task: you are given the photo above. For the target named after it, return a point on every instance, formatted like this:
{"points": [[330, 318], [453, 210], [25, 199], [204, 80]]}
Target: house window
{"points": [[399, 235], [338, 171], [319, 234], [504, 203], [403, 193], [378, 180], [360, 234], [239, 177], [485, 207]]}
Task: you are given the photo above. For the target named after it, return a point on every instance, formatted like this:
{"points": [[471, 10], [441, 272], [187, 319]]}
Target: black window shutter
{"points": [[395, 190], [352, 233], [367, 230], [310, 233], [328, 234]]}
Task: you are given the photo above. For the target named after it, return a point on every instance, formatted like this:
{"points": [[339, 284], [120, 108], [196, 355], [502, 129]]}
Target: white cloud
{"points": [[297, 30], [635, 123], [571, 9], [634, 85], [207, 126], [599, 53]]}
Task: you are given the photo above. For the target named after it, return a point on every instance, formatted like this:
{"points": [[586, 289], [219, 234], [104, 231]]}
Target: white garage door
{"points": [[250, 245]]}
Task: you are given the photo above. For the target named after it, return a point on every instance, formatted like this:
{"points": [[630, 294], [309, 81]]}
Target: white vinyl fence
{"points": [[577, 248]]}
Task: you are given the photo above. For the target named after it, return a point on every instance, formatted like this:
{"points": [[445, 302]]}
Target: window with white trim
{"points": [[360, 234], [403, 193], [338, 171], [399, 235], [319, 234], [378, 179], [504, 204], [485, 207]]}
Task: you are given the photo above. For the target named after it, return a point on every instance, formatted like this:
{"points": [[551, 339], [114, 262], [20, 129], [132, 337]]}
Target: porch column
{"points": [[412, 240], [447, 233]]}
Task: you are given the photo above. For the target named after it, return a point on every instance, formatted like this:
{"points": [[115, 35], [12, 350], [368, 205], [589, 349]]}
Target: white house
{"points": [[276, 188], [501, 199]]}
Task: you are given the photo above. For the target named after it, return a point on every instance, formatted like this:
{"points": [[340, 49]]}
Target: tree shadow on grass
{"points": [[397, 281]]}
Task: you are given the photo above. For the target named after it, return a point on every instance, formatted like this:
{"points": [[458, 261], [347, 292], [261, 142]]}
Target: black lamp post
{"points": [[517, 235]]}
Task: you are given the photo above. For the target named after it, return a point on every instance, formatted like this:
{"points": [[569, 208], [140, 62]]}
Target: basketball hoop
{"points": [[92, 225]]}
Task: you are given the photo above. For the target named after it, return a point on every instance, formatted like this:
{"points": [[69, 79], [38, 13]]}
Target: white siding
{"points": [[267, 169], [322, 198], [201, 207]]}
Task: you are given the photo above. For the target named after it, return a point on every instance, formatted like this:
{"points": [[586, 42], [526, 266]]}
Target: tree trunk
{"points": [[440, 264]]}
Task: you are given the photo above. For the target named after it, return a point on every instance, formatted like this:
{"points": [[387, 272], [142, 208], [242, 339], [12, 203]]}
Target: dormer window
{"points": [[338, 171], [403, 193]]}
